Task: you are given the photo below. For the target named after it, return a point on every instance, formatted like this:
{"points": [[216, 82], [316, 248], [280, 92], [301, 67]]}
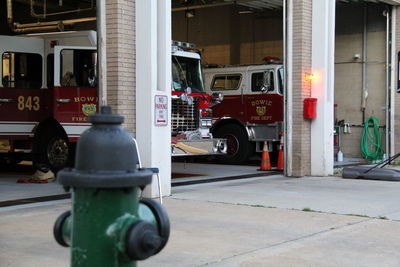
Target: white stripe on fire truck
{"points": [[10, 128], [10, 133], [19, 122], [75, 130], [26, 128], [76, 124]]}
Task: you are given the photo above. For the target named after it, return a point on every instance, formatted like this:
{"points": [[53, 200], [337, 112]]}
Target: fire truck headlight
{"points": [[206, 123]]}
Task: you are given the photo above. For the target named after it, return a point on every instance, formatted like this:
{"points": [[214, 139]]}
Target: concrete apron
{"points": [[230, 224]]}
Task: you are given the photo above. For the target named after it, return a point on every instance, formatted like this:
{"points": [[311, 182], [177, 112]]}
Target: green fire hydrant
{"points": [[108, 225]]}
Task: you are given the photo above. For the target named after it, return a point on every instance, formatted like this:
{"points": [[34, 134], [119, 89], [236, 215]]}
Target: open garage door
{"points": [[364, 79], [241, 45]]}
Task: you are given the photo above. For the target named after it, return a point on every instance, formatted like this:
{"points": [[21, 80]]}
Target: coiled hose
{"points": [[371, 141]]}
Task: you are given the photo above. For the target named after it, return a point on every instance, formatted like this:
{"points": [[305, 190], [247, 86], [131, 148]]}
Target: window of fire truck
{"points": [[258, 81], [22, 70], [187, 72], [280, 80], [78, 68], [226, 82]]}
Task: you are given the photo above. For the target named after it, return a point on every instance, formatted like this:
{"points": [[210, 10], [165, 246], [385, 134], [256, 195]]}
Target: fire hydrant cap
{"points": [[106, 156]]}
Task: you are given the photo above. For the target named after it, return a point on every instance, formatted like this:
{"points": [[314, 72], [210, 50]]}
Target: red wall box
{"points": [[310, 108]]}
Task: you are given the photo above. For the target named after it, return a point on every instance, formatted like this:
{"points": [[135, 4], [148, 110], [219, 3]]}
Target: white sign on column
{"points": [[161, 110]]}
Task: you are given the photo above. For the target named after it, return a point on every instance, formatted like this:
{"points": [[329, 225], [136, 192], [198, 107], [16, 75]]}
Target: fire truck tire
{"points": [[239, 147], [54, 150]]}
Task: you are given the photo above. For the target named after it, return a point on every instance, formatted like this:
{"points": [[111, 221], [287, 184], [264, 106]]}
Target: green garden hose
{"points": [[371, 141]]}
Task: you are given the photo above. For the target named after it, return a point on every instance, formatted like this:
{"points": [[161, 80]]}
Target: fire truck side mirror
{"points": [[185, 96], [216, 98], [188, 90], [267, 81]]}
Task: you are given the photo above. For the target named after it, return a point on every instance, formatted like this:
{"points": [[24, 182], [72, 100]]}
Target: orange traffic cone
{"points": [[280, 155], [265, 162]]}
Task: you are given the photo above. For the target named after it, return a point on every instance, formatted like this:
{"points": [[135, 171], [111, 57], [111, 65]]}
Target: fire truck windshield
{"points": [[186, 72]]}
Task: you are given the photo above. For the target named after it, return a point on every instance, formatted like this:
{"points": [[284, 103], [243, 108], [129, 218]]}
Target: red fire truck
{"points": [[191, 106], [252, 110], [48, 90]]}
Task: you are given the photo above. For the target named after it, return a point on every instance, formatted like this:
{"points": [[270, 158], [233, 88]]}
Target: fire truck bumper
{"points": [[215, 146]]}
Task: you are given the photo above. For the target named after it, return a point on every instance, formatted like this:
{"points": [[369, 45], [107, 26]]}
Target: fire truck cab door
{"points": [[231, 86], [75, 86], [261, 98]]}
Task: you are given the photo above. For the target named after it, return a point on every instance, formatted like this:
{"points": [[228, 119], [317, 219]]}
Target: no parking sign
{"points": [[161, 110]]}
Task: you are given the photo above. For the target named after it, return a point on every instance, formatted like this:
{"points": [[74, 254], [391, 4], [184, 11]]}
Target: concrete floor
{"points": [[252, 222], [325, 194], [182, 172], [10, 190]]}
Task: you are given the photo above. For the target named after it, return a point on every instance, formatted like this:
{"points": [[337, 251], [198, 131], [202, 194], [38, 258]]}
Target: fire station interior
{"points": [[251, 33], [246, 33]]}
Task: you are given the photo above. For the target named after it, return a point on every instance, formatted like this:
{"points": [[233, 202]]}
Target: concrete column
{"points": [[153, 78], [121, 91], [322, 87], [298, 65]]}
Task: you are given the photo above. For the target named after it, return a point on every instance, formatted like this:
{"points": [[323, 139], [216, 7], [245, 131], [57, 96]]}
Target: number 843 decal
{"points": [[28, 103]]}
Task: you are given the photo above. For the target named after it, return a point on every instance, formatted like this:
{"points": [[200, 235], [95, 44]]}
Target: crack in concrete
{"points": [[331, 229], [281, 208], [288, 241]]}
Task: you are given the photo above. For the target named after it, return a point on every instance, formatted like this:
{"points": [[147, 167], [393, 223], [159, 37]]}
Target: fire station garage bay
{"points": [[209, 88]]}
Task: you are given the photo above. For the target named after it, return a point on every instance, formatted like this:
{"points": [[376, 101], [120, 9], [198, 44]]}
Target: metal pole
{"points": [[387, 133], [101, 52], [364, 94], [287, 57], [392, 82]]}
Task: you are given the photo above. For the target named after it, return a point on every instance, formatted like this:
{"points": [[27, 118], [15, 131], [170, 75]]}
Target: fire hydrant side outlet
{"points": [[62, 229]]}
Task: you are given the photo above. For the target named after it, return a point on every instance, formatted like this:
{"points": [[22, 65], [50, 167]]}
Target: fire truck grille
{"points": [[184, 117]]}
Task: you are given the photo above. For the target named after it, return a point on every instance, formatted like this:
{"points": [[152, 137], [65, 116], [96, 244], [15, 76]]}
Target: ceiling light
{"points": [[190, 13], [245, 12]]}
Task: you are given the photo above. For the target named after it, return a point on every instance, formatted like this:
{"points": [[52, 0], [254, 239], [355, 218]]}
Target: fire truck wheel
{"points": [[54, 150], [239, 148]]}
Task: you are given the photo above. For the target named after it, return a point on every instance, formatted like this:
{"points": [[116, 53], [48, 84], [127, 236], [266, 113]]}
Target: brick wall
{"points": [[121, 89], [302, 35]]}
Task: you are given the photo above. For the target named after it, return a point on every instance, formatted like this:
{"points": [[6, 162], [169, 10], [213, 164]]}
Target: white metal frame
{"points": [[322, 86], [153, 77]]}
